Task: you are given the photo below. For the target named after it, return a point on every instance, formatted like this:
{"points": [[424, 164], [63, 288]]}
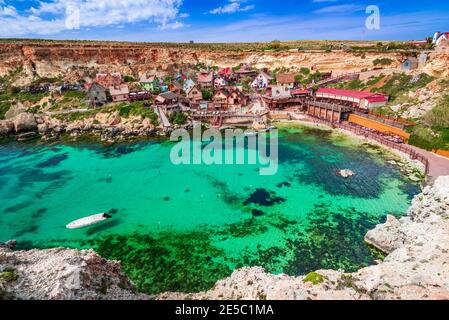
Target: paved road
{"points": [[438, 165]]}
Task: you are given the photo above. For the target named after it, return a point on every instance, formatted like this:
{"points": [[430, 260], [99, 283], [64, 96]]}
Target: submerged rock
{"points": [[346, 173]]}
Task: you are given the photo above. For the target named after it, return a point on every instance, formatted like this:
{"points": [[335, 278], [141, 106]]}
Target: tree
{"points": [[129, 79], [305, 71], [207, 94]]}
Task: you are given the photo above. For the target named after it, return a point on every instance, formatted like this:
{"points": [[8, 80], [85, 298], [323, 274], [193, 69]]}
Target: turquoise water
{"points": [[182, 228]]}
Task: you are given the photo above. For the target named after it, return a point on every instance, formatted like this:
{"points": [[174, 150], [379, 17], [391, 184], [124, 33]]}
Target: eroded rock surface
{"points": [[62, 274]]}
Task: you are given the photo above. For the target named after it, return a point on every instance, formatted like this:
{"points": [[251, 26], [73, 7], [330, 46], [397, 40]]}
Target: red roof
{"points": [[378, 97], [205, 77], [225, 71], [300, 91]]}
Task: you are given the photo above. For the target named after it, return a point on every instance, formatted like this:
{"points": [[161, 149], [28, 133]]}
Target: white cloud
{"points": [[232, 7], [172, 26], [342, 8], [50, 16]]}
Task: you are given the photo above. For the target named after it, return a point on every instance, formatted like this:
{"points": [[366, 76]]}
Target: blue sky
{"points": [[219, 20]]}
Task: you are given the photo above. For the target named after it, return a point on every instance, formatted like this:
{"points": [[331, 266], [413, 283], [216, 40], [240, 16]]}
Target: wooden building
{"points": [[109, 79], [194, 95], [97, 94], [119, 93], [328, 111], [167, 98], [139, 96], [286, 80], [357, 100], [205, 79], [262, 81]]}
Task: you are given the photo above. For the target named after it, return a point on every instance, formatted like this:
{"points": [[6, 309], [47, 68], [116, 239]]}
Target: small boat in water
{"points": [[251, 134], [88, 221]]}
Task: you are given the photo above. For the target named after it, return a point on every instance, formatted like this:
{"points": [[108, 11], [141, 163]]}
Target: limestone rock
{"points": [[386, 237], [6, 127], [25, 122], [64, 274]]}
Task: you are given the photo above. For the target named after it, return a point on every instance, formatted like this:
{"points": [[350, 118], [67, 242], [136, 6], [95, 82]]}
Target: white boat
{"points": [[251, 134], [88, 221]]}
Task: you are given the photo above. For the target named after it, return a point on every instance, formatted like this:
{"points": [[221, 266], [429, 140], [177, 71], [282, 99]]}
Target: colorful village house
{"points": [[169, 101], [262, 81], [441, 39], [109, 79], [149, 83], [237, 100], [278, 92], [220, 81], [194, 95], [245, 71], [176, 87], [205, 79], [167, 98], [220, 100], [188, 84], [119, 93], [286, 80], [410, 64], [97, 94], [225, 73]]}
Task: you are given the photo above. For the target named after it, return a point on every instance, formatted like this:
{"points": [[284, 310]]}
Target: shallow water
{"points": [[182, 228]]}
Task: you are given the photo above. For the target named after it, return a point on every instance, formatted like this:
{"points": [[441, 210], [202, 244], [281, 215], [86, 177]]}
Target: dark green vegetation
{"points": [[400, 84], [178, 118], [433, 130], [383, 62]]}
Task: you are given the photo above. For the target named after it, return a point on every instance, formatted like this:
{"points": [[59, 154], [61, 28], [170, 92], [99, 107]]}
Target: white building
{"points": [[262, 81]]}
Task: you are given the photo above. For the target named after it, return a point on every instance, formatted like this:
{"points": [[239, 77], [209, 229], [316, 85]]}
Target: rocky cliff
{"points": [[72, 61], [416, 267]]}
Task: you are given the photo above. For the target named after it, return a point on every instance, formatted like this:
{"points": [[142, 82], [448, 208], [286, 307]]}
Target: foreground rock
{"points": [[417, 266], [6, 128], [62, 274]]}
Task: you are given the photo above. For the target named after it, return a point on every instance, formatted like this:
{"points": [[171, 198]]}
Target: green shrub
{"points": [[129, 79], [315, 278], [383, 62], [178, 118], [438, 117], [4, 107], [9, 275], [401, 83]]}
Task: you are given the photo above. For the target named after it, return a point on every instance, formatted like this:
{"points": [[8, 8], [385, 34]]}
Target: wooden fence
{"points": [[412, 153]]}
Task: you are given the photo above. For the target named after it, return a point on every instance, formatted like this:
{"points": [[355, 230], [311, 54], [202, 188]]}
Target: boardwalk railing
{"points": [[394, 122], [412, 153]]}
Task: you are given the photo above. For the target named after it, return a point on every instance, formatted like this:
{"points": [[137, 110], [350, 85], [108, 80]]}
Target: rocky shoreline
{"points": [[416, 267], [106, 127]]}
